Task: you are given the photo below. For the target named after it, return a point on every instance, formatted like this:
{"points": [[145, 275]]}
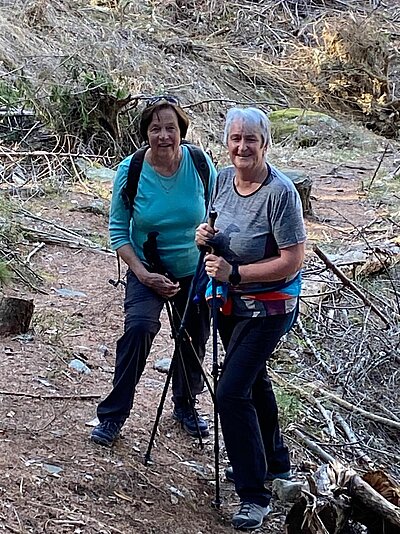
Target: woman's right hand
{"points": [[160, 284], [204, 232]]}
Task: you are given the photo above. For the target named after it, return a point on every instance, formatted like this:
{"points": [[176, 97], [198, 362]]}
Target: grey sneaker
{"points": [[250, 516], [106, 433], [270, 476]]}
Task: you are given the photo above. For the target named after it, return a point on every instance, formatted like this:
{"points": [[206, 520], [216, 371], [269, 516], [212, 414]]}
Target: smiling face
{"points": [[163, 133], [246, 147]]}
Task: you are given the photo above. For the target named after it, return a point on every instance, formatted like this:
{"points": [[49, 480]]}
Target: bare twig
{"points": [[313, 348], [354, 441], [334, 398], [378, 167], [230, 101], [348, 283]]}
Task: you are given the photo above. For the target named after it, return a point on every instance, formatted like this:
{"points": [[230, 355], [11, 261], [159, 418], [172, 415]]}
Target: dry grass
{"points": [[325, 55]]}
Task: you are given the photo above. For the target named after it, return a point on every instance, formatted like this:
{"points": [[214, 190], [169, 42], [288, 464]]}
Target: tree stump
{"points": [[302, 183], [15, 315]]}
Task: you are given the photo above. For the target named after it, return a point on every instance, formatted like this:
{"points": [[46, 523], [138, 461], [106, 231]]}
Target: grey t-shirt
{"points": [[256, 227]]}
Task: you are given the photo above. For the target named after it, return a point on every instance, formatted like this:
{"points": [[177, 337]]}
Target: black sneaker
{"points": [[250, 516], [270, 476], [186, 418], [106, 433]]}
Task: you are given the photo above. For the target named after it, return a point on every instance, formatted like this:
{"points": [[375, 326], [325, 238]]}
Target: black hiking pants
{"points": [[247, 405], [142, 322]]}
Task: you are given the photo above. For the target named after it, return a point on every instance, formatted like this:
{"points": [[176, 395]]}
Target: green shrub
{"points": [[5, 274]]}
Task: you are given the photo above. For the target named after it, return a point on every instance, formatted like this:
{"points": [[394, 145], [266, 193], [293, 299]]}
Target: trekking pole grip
{"points": [[212, 218], [211, 222]]}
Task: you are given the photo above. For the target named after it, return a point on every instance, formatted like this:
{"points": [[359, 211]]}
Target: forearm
{"points": [[272, 269], [129, 256], [269, 270]]}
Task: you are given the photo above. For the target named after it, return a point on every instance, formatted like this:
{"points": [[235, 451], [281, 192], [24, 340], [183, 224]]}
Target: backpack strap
{"points": [[200, 162], [132, 181]]}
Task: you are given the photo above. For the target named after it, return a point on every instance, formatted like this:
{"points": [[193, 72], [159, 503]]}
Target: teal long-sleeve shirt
{"points": [[172, 206]]}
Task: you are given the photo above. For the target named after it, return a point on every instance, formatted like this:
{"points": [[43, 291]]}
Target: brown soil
{"points": [[99, 490]]}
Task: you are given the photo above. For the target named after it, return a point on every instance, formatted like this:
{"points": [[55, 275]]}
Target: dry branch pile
{"points": [[348, 384]]}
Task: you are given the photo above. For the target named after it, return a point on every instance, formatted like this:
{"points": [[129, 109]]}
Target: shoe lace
{"points": [[245, 508], [192, 414], [111, 426]]}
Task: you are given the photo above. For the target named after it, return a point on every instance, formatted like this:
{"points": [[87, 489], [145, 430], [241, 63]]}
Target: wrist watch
{"points": [[234, 277]]}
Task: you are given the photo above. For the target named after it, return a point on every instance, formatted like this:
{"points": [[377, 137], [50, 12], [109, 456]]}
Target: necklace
{"points": [[167, 183]]}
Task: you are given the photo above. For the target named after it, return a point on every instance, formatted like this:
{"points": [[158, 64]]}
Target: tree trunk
{"points": [[303, 184], [15, 315]]}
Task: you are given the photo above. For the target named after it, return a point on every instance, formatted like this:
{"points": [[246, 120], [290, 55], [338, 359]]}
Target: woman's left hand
{"points": [[217, 267]]}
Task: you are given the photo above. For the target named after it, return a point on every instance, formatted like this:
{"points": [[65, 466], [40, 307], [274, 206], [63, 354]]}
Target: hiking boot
{"points": [[184, 416], [270, 476], [106, 433], [250, 516]]}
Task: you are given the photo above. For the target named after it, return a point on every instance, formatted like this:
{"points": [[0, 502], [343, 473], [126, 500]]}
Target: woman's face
{"points": [[163, 132], [246, 147]]}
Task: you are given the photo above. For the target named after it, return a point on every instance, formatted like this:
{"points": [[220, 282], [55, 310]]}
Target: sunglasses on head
{"points": [[167, 98]]}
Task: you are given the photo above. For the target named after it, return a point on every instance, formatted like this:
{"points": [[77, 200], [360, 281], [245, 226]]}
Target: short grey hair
{"points": [[250, 117]]}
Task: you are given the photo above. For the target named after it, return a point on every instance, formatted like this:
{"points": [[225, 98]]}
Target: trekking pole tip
{"points": [[216, 503], [147, 459]]}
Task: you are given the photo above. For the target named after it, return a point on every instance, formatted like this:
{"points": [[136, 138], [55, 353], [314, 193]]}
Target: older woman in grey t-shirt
{"points": [[259, 243]]}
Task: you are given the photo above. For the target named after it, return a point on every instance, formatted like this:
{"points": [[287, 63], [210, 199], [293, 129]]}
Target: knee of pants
{"points": [[140, 327], [227, 398]]}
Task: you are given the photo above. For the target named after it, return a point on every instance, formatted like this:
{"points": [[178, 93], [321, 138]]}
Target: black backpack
{"points": [[136, 164]]}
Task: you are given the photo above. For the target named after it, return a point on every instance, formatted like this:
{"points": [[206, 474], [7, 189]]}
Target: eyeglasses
{"points": [[152, 101]]}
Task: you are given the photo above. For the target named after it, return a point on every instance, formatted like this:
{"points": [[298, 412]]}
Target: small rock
{"points": [[79, 366], [176, 492], [195, 466], [93, 422], [52, 469], [65, 292], [104, 351], [162, 365], [286, 490]]}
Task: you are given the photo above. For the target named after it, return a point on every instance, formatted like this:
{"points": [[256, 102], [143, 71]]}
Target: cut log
{"points": [[372, 509], [302, 183], [15, 315]]}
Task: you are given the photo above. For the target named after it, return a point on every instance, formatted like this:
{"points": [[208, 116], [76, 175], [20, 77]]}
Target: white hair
{"points": [[252, 117]]}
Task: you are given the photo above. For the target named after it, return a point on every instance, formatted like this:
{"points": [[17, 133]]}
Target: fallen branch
{"points": [[33, 252], [312, 347], [374, 501], [354, 441], [237, 102], [348, 283], [326, 415], [334, 398], [314, 447], [83, 396]]}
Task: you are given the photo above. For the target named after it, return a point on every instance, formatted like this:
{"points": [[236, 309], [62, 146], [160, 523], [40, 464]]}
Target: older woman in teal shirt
{"points": [[170, 200]]}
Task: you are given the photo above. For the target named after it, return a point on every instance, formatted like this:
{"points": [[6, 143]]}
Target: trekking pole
{"points": [[147, 456], [215, 367], [152, 256], [215, 370]]}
